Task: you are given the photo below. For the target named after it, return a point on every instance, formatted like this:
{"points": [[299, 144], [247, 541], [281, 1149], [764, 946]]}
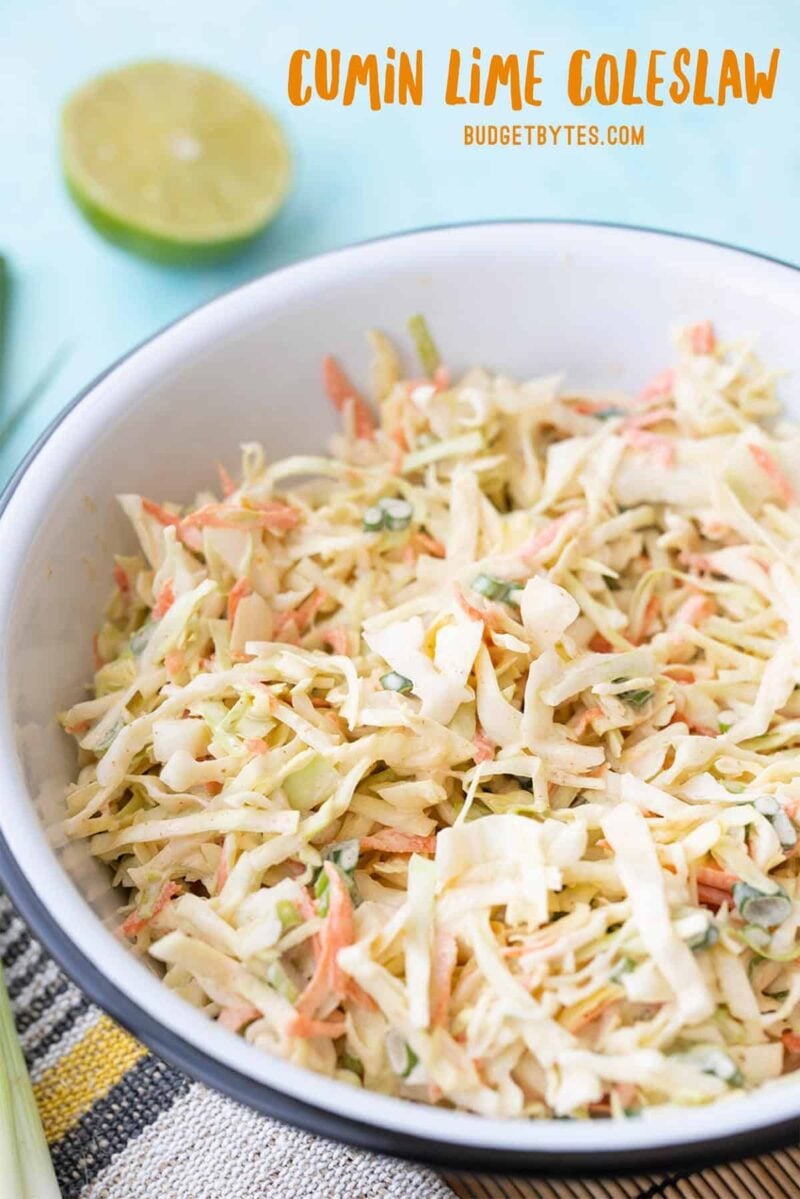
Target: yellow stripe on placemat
{"points": [[85, 1074]]}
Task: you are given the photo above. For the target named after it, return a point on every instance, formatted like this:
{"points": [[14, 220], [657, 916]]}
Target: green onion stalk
{"points": [[26, 1171]]}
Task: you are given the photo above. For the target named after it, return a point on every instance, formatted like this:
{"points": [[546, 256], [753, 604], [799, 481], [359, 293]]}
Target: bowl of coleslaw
{"points": [[401, 714]]}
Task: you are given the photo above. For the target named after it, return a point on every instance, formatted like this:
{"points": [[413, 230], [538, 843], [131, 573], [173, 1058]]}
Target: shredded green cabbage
{"points": [[463, 764]]}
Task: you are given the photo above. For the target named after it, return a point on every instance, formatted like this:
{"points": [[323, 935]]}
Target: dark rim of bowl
{"points": [[675, 1157]]}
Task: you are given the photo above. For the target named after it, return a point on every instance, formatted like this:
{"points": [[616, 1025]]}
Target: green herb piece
{"points": [[424, 343], [392, 681]]}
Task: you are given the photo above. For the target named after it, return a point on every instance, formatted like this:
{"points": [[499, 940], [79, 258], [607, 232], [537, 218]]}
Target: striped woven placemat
{"points": [[123, 1125]]}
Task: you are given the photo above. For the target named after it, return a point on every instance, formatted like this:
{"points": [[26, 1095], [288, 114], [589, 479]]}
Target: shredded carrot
{"points": [[773, 472], [121, 579], [341, 392], [649, 618], [337, 932], [398, 436], [642, 420], [223, 869], [694, 609], [235, 1017], [599, 645], [274, 517], [441, 378], [225, 481], [680, 674], [711, 897], [699, 562], [722, 880], [579, 1022], [792, 1041], [240, 589], [546, 536], [658, 387], [393, 840], [585, 719], [303, 1026], [702, 339], [484, 748], [429, 545], [445, 955], [96, 655], [164, 600], [161, 514], [338, 638], [650, 443], [589, 407], [488, 617], [302, 616], [256, 745], [174, 661], [134, 923]]}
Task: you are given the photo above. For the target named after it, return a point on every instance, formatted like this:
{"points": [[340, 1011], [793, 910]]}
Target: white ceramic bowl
{"points": [[527, 298]]}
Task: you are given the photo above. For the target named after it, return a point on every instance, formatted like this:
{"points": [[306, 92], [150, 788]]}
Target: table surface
{"points": [[729, 173]]}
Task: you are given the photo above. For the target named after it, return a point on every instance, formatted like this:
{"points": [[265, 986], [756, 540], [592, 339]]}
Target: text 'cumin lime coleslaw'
{"points": [[463, 764]]}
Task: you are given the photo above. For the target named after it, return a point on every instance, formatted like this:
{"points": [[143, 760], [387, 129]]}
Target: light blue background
{"points": [[727, 173]]}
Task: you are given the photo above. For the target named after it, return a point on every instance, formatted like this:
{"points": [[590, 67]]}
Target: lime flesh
{"points": [[173, 161]]}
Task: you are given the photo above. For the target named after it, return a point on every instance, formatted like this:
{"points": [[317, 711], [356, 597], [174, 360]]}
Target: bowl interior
{"points": [[596, 303]]}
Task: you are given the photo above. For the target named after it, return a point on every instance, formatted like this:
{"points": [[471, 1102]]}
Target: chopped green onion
{"points": [[765, 911], [623, 967], [402, 1057], [759, 940], [485, 585], [635, 699], [697, 929], [425, 345], [392, 681], [411, 1061], [288, 914], [26, 1171], [373, 519], [719, 1063], [345, 855], [496, 589], [349, 1061], [724, 726], [141, 637], [769, 807], [396, 514], [607, 413], [705, 940], [279, 980]]}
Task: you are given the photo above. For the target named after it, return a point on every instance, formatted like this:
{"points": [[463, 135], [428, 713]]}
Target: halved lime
{"points": [[173, 161]]}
